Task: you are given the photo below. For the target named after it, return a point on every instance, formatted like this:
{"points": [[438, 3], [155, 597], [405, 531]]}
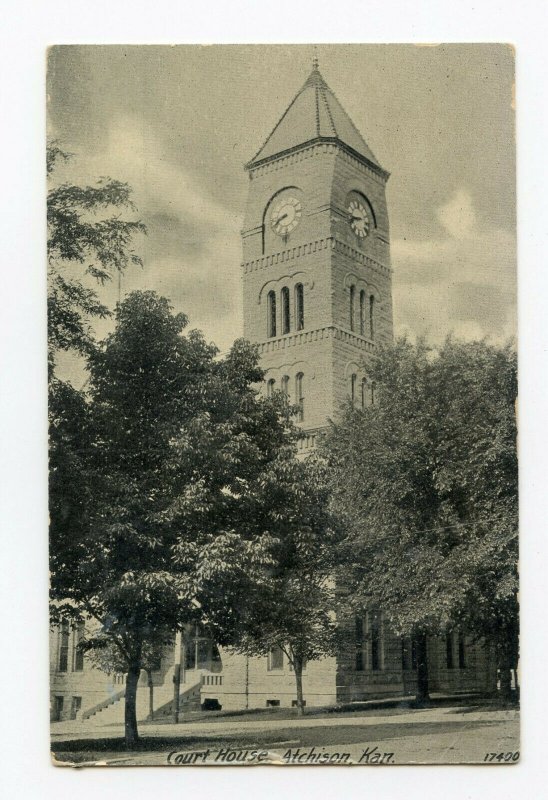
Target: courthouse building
{"points": [[317, 297]]}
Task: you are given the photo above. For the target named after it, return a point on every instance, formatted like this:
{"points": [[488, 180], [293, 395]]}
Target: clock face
{"points": [[286, 215], [359, 218]]}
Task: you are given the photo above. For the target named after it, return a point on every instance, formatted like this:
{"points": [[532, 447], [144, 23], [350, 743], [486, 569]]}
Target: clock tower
{"points": [[316, 258]]}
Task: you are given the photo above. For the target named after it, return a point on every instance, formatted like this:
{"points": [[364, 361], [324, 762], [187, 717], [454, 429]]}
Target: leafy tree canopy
{"points": [[426, 481], [289, 602], [88, 242], [159, 477]]}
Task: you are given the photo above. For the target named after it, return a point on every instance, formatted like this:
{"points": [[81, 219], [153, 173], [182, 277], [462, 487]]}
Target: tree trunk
{"points": [[298, 667], [131, 733], [177, 676], [150, 695], [423, 696]]}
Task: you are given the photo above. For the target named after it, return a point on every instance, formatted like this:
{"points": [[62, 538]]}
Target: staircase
{"points": [[111, 711], [189, 700], [103, 708], [114, 713]]}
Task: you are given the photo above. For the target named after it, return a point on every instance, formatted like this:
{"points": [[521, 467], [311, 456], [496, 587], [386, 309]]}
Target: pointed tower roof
{"points": [[314, 114]]}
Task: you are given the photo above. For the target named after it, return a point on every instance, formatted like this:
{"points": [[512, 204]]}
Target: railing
{"points": [[212, 679], [317, 334]]}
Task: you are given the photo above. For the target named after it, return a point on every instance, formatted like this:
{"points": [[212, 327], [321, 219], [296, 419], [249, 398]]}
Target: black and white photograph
{"points": [[283, 405]]}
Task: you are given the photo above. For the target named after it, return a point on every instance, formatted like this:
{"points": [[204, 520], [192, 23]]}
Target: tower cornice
{"points": [[251, 166], [308, 248]]}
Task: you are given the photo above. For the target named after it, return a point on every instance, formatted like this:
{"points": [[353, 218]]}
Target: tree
{"points": [[289, 598], [426, 480], [172, 451], [107, 657], [84, 246]]}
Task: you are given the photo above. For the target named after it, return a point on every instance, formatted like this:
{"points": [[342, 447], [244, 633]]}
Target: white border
{"points": [[28, 26]]}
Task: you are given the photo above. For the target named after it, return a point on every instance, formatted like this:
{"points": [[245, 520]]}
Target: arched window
{"points": [[285, 385], [351, 315], [364, 392], [373, 394], [362, 312], [353, 380], [371, 317], [299, 307], [271, 311], [270, 387], [285, 310], [299, 396]]}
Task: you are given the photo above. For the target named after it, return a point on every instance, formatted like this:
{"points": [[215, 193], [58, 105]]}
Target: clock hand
{"points": [[279, 219]]}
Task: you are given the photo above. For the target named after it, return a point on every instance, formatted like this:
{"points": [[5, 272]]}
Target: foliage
{"points": [[84, 246], [427, 483], [167, 480], [291, 603]]}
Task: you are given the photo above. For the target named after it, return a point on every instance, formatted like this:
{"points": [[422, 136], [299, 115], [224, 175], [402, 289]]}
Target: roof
{"points": [[315, 113]]}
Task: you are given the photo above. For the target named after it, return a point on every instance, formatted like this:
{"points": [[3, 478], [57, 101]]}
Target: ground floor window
{"points": [[57, 708]]}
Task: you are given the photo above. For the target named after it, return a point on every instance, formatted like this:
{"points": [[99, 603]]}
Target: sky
{"points": [[179, 123]]}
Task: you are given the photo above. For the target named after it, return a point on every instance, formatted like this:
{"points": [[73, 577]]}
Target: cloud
{"points": [[192, 253], [458, 216], [464, 282]]}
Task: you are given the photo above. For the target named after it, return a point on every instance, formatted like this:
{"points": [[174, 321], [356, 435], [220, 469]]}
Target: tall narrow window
{"points": [[63, 646], [362, 312], [364, 392], [462, 652], [78, 652], [276, 658], [372, 318], [270, 387], [449, 650], [353, 381], [299, 307], [190, 654], [285, 385], [405, 654], [271, 311], [299, 396], [376, 644], [286, 322], [359, 638], [351, 309], [373, 393], [414, 654]]}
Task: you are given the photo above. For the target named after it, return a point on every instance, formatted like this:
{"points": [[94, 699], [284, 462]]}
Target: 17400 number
{"points": [[508, 757]]}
